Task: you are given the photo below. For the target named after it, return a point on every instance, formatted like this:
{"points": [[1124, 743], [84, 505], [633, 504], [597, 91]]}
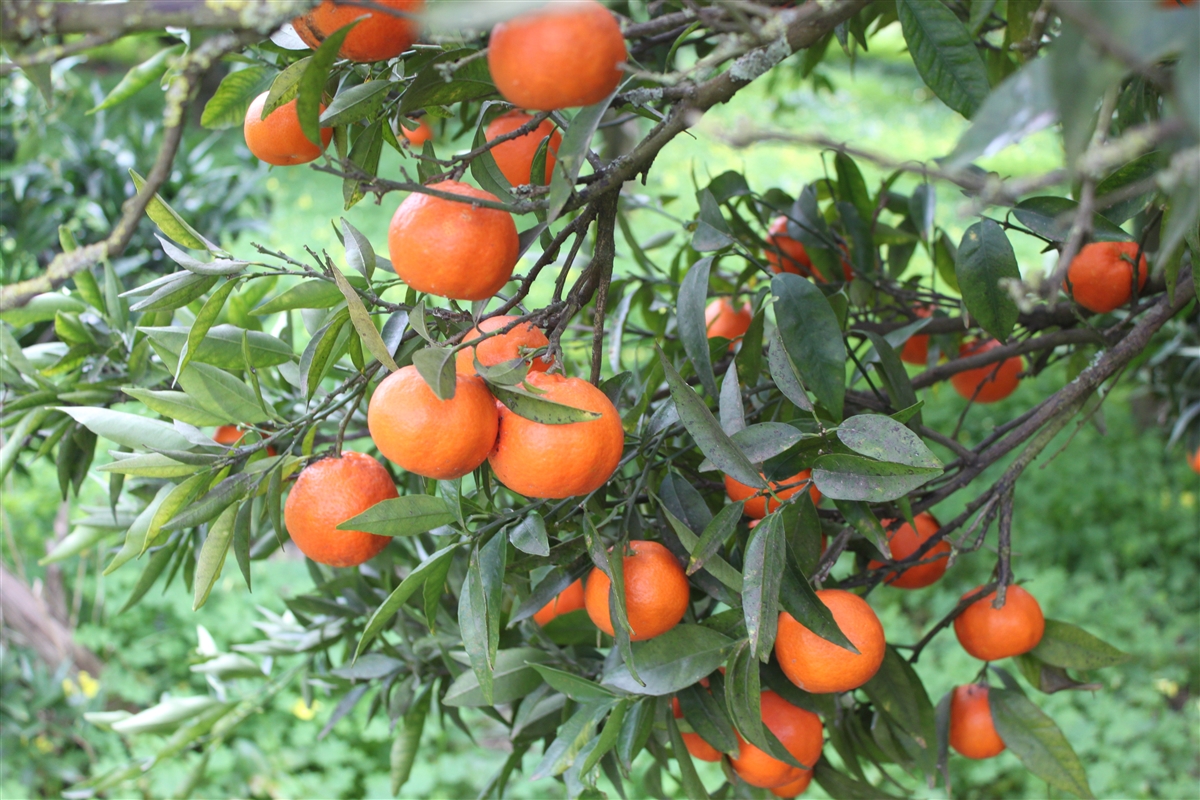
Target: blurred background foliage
{"points": [[1107, 532]]}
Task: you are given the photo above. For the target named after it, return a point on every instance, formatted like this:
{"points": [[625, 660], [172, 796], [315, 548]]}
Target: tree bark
{"points": [[27, 615]]}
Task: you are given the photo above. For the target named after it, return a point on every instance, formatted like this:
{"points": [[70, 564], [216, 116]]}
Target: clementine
{"points": [[278, 139], [656, 592], [420, 136], [785, 254], [568, 600], [904, 541], [1100, 277], [798, 730], [819, 666], [990, 634], [517, 343], [972, 732], [916, 348], [722, 319], [694, 742], [759, 507], [378, 37], [796, 787], [989, 383], [442, 439], [515, 157], [1194, 460], [564, 54], [453, 249], [326, 494], [555, 461]]}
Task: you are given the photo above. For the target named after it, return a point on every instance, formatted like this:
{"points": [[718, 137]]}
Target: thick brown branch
{"points": [[29, 19]]}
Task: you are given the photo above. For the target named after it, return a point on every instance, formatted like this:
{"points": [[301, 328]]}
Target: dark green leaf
{"points": [[1036, 740], [891, 370], [712, 231], [762, 574], [885, 439], [714, 535], [945, 54], [985, 259], [539, 409], [221, 347], [573, 686], [1071, 647], [572, 155], [285, 87], [846, 477], [784, 373], [408, 515], [473, 624], [1138, 171], [227, 107], [707, 716], [355, 104], [689, 310], [529, 535], [312, 83], [1020, 106], [154, 568], [400, 594], [797, 598], [183, 288], [433, 87], [368, 668], [1052, 217], [673, 660], [212, 555], [851, 187], [512, 679], [730, 406], [743, 698], [812, 339], [693, 787], [844, 787], [320, 352], [407, 742], [241, 540], [141, 76], [204, 321]]}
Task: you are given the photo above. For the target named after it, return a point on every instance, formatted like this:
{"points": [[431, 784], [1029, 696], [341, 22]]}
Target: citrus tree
{"points": [[627, 496]]}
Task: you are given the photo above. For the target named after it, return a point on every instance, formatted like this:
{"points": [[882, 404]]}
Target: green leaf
{"points": [[311, 293], [432, 86], [763, 441], [572, 155], [715, 534], [221, 394], [138, 78], [473, 624], [762, 574], [812, 339], [693, 787], [359, 253], [1019, 107], [672, 661], [797, 598], [221, 347], [128, 430], [846, 477], [227, 107], [705, 429], [573, 686], [893, 374], [512, 679], [1037, 742], [572, 737], [712, 231], [729, 404], [707, 716], [784, 373], [944, 52], [896, 689], [852, 188], [365, 153], [312, 83], [844, 787], [285, 87], [361, 320], [1140, 169], [408, 515], [355, 104], [407, 742], [1052, 218], [529, 535], [743, 697], [716, 566], [436, 366], [41, 308], [212, 555], [153, 569], [217, 500], [320, 352], [169, 222], [241, 540], [539, 409], [985, 258], [1071, 647], [176, 405], [136, 538], [400, 594], [181, 289], [203, 322], [689, 310], [885, 439]]}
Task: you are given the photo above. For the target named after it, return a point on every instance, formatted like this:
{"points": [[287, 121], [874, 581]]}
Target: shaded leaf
{"points": [[1037, 742], [944, 54], [846, 477], [812, 338], [985, 258], [673, 660]]}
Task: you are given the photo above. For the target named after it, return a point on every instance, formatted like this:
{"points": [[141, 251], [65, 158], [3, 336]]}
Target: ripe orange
{"points": [[515, 156], [796, 787], [452, 249], [278, 139], [972, 732], [990, 634], [232, 434], [904, 541], [722, 319], [656, 592], [694, 742], [517, 343], [378, 37], [1100, 277], [564, 54], [759, 507], [420, 136], [568, 600], [442, 439], [820, 667], [916, 349], [996, 384], [1194, 460], [785, 254], [326, 494], [798, 730], [555, 461]]}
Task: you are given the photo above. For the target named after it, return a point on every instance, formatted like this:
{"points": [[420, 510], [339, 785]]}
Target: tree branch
{"points": [[29, 19]]}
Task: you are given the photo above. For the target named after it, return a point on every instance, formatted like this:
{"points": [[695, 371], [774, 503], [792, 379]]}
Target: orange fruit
{"points": [[990, 634], [972, 732], [232, 434], [1194, 460], [326, 494], [568, 600], [798, 730], [820, 667], [722, 319], [904, 541], [278, 139], [785, 254], [420, 136], [517, 343], [656, 592], [555, 461], [442, 439], [564, 54], [759, 507], [796, 787], [916, 349], [1100, 277], [515, 156], [992, 384], [378, 37], [452, 249], [694, 742]]}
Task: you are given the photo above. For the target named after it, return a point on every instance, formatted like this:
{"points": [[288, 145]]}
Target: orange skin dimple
{"points": [[568, 600], [785, 254], [821, 667], [759, 507], [722, 319], [997, 383], [656, 592], [557, 461], [565, 54], [326, 494], [278, 139], [904, 541], [796, 787], [972, 732], [991, 634], [515, 156], [798, 730], [378, 37], [441, 439], [420, 136], [452, 249], [505, 347], [1100, 277]]}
